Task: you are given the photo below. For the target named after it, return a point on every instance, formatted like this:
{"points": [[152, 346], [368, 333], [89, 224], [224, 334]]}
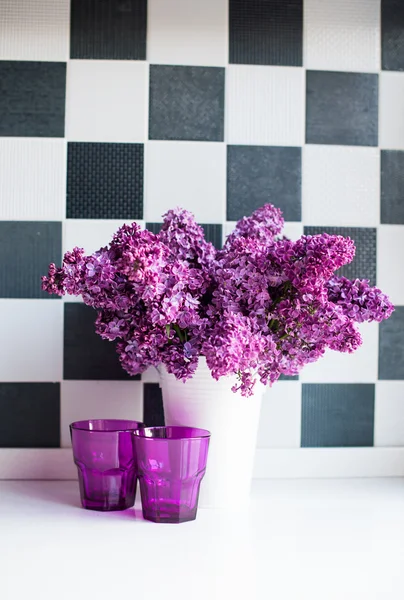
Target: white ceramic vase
{"points": [[233, 422]]}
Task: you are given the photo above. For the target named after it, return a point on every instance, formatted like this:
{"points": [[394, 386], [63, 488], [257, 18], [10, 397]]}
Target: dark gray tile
{"points": [[337, 414], [108, 29], [26, 249], [29, 415], [153, 411], [104, 181], [266, 32], [213, 232], [391, 346], [32, 98], [186, 103], [392, 18], [154, 227], [342, 108], [289, 377], [363, 265], [392, 187], [260, 174], [86, 354]]}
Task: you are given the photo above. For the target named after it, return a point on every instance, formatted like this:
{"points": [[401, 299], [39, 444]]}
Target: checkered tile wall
{"points": [[116, 110]]}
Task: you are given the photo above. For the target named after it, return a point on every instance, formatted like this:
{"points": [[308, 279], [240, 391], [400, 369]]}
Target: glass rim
{"points": [[205, 433], [75, 425]]}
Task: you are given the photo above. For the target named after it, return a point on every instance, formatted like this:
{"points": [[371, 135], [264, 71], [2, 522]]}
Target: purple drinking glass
{"points": [[104, 454], [171, 463]]}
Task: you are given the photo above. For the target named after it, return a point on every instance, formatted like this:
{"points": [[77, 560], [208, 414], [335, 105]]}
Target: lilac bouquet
{"points": [[261, 306]]}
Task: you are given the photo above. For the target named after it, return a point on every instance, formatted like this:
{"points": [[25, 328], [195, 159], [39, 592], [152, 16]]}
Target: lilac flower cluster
{"points": [[260, 307]]}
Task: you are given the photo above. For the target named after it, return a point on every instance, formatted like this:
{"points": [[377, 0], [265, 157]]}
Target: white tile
{"points": [[389, 413], [292, 230], [72, 299], [390, 260], [191, 175], [187, 32], [99, 400], [391, 113], [106, 101], [151, 375], [32, 179], [31, 334], [34, 30], [91, 234], [340, 367], [280, 419], [342, 36], [265, 105], [228, 228], [341, 186]]}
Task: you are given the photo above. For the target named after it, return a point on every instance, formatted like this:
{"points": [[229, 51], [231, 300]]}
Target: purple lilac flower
{"points": [[264, 224], [260, 307], [185, 237], [359, 301]]}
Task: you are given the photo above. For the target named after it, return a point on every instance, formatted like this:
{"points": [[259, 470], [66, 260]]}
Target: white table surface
{"points": [[314, 539]]}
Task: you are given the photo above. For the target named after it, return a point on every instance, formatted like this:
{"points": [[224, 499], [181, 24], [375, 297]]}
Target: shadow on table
{"points": [[67, 493]]}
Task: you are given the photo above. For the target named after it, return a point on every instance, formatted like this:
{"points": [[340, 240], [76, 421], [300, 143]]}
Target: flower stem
{"points": [[179, 332]]}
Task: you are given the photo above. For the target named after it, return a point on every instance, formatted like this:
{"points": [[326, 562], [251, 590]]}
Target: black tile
{"points": [[260, 174], [104, 181], [363, 265], [266, 32], [26, 249], [337, 414], [392, 17], [342, 108], [391, 346], [29, 415], [108, 29], [392, 187], [186, 103], [213, 232], [86, 354], [153, 411], [32, 98]]}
